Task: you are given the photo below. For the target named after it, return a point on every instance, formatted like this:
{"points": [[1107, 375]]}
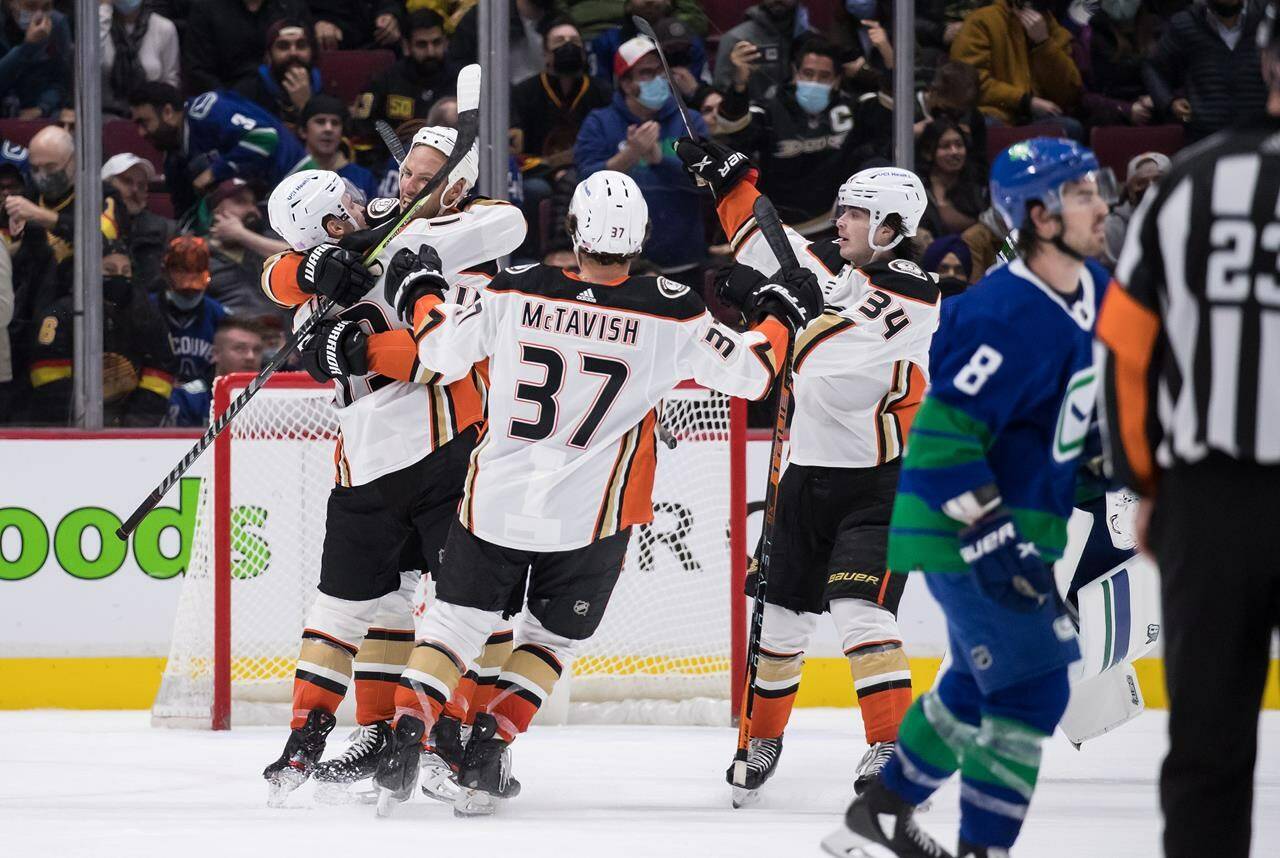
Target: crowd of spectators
{"points": [[236, 94]]}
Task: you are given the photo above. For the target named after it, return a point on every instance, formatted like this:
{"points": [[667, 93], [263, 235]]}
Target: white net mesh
{"points": [[665, 635]]}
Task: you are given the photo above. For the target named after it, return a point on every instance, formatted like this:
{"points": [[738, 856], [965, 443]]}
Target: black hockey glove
{"points": [[794, 297], [412, 275], [711, 163], [337, 349], [336, 273], [1008, 569]]}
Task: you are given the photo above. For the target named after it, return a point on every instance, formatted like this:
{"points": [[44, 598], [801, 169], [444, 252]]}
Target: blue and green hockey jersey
{"points": [[1011, 403]]}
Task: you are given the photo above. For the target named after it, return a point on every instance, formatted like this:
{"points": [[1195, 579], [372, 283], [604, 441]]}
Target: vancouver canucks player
{"points": [[982, 507]]}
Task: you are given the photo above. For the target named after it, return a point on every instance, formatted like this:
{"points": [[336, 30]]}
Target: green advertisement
{"points": [[83, 543]]}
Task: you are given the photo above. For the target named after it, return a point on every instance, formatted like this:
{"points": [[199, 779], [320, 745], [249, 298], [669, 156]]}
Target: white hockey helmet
{"points": [[883, 191], [299, 205], [609, 214], [442, 138]]}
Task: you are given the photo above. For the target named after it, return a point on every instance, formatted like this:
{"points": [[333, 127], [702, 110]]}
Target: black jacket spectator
{"points": [[416, 81], [1112, 69], [549, 116], [864, 66], [355, 18], [226, 39], [1223, 85]]}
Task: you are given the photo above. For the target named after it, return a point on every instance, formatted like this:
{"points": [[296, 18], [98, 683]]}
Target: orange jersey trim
{"points": [[280, 279], [1130, 330], [395, 355]]}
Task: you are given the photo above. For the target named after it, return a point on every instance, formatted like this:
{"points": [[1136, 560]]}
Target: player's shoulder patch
{"points": [[904, 278], [827, 252], [381, 207], [199, 107], [671, 289]]}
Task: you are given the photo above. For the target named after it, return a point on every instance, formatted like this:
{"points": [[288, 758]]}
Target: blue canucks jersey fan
{"points": [[214, 136], [191, 315]]}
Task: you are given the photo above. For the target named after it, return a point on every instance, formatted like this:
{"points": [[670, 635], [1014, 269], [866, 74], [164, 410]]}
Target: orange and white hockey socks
{"points": [[871, 641], [479, 684], [784, 636], [777, 683], [882, 681], [321, 678], [525, 682], [378, 665], [451, 637]]}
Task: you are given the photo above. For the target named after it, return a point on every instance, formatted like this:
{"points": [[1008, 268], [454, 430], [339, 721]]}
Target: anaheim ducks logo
{"points": [[671, 289], [904, 266], [381, 207]]}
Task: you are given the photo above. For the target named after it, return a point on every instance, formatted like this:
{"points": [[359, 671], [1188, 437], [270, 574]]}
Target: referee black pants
{"points": [[1216, 537]]}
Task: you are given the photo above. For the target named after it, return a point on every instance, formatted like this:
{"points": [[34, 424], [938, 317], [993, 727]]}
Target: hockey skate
{"points": [[762, 759], [968, 850], [301, 753], [872, 762], [880, 825], [485, 775], [441, 761], [397, 772], [335, 778]]}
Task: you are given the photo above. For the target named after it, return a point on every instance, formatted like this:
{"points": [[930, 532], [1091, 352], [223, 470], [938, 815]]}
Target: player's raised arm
{"points": [[746, 364]]}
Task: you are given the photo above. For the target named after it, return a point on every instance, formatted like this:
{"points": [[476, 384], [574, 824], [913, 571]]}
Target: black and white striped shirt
{"points": [[1192, 334]]}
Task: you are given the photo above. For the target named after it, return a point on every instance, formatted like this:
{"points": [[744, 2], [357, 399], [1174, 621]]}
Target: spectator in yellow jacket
{"points": [[1025, 71]]}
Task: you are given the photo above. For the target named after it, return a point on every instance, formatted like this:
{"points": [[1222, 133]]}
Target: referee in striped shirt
{"points": [[1191, 381]]}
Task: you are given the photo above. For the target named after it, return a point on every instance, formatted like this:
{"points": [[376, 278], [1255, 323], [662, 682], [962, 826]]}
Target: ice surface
{"points": [[107, 784]]}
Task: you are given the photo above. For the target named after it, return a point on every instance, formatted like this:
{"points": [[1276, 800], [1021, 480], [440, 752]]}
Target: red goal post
{"points": [[255, 556]]}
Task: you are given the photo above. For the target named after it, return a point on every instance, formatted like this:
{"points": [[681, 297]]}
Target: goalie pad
{"points": [[1102, 703], [1119, 617]]}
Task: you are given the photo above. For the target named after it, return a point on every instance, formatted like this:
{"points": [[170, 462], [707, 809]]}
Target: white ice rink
{"points": [[106, 784]]}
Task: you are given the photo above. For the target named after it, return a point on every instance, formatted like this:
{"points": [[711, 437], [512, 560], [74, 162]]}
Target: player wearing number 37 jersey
{"points": [[579, 364]]}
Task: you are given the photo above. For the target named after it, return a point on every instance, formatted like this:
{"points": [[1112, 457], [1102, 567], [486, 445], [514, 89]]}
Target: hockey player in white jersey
{"points": [[579, 364], [403, 445], [860, 371]]}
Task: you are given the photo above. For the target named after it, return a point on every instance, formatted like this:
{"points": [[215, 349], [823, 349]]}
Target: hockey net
{"points": [[669, 643]]}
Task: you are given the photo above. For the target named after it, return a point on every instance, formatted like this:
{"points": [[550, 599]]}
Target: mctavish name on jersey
{"points": [[580, 322]]}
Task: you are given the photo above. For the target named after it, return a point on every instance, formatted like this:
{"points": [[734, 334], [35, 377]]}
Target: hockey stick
{"points": [[389, 139], [771, 228], [468, 129], [647, 30]]}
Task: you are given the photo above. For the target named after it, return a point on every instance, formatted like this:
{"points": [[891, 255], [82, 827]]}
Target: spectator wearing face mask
{"points": [[950, 259], [239, 242], [323, 122], [149, 233], [415, 82], [1210, 52], [191, 315], [35, 60], [137, 361], [680, 43], [770, 29], [1025, 71], [53, 175], [635, 134], [547, 111], [137, 45], [1144, 171], [288, 77], [238, 346], [809, 137]]}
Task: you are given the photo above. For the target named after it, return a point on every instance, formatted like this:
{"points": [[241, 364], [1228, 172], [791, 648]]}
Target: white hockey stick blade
{"points": [[468, 85]]}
